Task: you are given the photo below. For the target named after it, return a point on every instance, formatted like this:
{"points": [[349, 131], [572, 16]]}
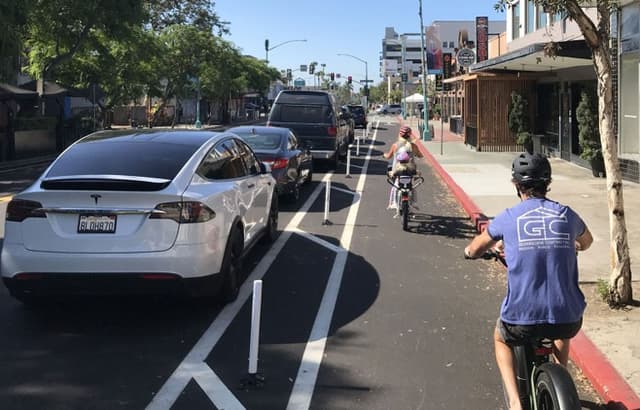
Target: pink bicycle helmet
{"points": [[405, 132]]}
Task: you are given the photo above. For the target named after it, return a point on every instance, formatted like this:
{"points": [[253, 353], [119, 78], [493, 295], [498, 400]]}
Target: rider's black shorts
{"points": [[521, 334]]}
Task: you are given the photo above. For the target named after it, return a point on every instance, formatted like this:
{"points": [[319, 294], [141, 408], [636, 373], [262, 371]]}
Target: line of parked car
{"points": [[167, 211]]}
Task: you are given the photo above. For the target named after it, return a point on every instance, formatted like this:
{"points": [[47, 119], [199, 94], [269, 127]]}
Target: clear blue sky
{"points": [[330, 27]]}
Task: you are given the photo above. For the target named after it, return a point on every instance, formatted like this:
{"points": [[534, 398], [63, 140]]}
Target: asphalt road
{"points": [[356, 314]]}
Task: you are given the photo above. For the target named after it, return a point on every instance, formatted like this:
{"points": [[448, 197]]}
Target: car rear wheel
{"points": [[231, 267], [271, 230]]}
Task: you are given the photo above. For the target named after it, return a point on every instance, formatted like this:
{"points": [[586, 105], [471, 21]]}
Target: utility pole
{"points": [[426, 132]]}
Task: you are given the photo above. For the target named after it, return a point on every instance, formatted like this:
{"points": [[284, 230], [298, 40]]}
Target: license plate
{"points": [[97, 224]]}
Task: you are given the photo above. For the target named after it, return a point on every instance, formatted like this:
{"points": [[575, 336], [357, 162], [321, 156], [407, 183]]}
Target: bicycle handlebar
{"points": [[490, 254]]}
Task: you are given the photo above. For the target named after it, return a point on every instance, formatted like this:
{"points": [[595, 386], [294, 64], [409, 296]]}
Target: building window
{"points": [[629, 105], [451, 45], [515, 20], [444, 44], [541, 18], [529, 17]]}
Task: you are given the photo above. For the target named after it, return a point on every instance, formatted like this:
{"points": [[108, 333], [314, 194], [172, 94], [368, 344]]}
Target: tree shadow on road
{"points": [[443, 225]]}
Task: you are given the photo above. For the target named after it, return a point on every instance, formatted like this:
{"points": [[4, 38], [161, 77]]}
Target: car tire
{"points": [[231, 267], [271, 230], [309, 175]]}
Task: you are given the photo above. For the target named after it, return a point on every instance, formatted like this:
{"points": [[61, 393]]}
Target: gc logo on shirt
{"points": [[544, 226]]}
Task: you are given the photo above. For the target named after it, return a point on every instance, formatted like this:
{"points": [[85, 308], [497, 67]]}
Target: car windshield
{"points": [[149, 159], [262, 141]]}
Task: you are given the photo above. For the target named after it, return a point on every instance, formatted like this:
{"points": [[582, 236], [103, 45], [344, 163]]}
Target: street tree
{"points": [[197, 13], [58, 29], [119, 67], [13, 18], [597, 35]]}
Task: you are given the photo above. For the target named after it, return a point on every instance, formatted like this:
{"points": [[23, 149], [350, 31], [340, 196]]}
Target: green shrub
{"points": [[588, 133], [519, 117]]}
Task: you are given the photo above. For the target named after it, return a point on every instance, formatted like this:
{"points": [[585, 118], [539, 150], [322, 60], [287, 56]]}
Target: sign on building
{"points": [[482, 38], [446, 70], [465, 57]]}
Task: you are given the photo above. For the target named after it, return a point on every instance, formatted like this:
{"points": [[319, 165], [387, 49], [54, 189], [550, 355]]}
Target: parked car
{"points": [[347, 115], [359, 115], [140, 211], [291, 165], [390, 109], [314, 117]]}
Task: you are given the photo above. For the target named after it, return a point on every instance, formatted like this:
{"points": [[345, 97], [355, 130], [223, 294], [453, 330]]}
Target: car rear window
{"points": [[301, 113], [262, 141], [149, 159], [303, 98], [356, 109]]}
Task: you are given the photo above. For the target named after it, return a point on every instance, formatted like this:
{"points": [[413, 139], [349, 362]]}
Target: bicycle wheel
{"points": [[405, 215], [554, 388]]}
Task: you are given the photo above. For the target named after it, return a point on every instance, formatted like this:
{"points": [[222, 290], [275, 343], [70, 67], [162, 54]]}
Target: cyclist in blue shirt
{"points": [[540, 239]]}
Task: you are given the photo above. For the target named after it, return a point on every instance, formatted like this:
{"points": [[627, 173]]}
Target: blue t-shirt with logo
{"points": [[539, 238]]}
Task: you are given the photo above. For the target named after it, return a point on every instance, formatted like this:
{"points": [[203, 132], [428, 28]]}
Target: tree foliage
{"points": [[197, 13]]}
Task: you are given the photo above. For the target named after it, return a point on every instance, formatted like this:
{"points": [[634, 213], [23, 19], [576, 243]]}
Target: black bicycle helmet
{"points": [[528, 167]]}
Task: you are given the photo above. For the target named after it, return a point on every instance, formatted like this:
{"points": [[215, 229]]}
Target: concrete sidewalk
{"points": [[608, 348]]}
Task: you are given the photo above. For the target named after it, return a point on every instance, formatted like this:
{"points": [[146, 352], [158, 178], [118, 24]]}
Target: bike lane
{"points": [[425, 341]]}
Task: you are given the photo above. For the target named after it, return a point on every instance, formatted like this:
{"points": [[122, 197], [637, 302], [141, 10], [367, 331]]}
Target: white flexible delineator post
{"points": [[327, 201], [255, 327], [357, 147], [348, 172]]}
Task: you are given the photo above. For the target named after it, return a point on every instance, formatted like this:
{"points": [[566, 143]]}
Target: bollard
{"points": [[348, 173], [358, 147], [327, 199], [254, 379]]}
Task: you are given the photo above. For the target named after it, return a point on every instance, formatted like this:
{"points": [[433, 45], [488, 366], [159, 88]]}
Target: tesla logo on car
{"points": [[543, 225], [96, 197]]}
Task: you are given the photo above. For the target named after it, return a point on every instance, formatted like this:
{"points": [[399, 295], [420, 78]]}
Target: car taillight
{"points": [[277, 163], [332, 131], [20, 209], [183, 212]]}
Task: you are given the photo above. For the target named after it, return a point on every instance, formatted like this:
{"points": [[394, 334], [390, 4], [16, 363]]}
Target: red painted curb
{"points": [[609, 384]]}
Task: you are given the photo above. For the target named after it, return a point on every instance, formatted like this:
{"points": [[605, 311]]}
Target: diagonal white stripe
{"points": [[304, 385]]}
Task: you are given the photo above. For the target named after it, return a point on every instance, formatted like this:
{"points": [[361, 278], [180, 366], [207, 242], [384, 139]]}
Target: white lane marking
{"points": [[346, 191], [213, 387], [192, 363], [317, 240], [304, 385]]}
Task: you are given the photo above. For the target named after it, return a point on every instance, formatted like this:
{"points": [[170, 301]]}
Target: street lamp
{"points": [[425, 117], [366, 77], [267, 48]]}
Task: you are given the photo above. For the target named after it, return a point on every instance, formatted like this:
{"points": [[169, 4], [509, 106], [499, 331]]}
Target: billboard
{"points": [[389, 67], [482, 39], [433, 50]]}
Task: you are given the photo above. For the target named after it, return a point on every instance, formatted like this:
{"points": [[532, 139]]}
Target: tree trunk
{"points": [[620, 278]]}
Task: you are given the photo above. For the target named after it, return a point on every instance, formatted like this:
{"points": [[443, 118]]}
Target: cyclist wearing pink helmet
{"points": [[405, 140]]}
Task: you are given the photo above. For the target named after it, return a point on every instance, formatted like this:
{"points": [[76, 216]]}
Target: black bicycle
{"points": [[542, 383], [404, 185]]}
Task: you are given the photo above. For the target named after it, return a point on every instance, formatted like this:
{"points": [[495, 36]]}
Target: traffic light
{"points": [[289, 76], [312, 68], [332, 76], [349, 80]]}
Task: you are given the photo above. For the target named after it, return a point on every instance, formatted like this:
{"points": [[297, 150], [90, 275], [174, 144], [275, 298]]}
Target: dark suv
{"points": [[359, 115], [316, 120]]}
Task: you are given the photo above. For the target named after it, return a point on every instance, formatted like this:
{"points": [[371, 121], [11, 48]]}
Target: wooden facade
{"points": [[487, 97]]}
